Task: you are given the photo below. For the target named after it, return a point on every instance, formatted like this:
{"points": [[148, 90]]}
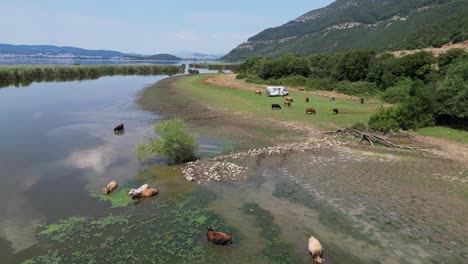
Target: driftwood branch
{"points": [[369, 137]]}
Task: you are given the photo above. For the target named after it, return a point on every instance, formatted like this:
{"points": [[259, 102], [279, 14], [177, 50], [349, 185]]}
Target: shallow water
{"points": [[58, 150]]}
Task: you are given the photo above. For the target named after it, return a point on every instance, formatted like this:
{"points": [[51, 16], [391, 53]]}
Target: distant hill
{"points": [[49, 50], [351, 24], [41, 51], [167, 57], [197, 56]]}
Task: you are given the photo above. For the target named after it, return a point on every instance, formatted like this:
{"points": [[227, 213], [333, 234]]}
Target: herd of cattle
{"points": [[309, 110], [217, 238]]}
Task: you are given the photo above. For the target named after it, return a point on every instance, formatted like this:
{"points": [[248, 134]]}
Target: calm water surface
{"points": [[57, 146]]}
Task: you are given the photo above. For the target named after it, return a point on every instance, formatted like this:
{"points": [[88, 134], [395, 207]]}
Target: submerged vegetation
{"points": [[169, 232], [25, 75], [117, 199], [426, 90], [174, 141]]}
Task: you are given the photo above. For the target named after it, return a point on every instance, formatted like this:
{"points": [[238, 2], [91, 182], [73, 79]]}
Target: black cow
{"points": [[275, 107], [119, 128], [335, 111], [362, 100]]}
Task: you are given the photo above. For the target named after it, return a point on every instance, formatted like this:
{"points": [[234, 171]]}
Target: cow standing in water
{"points": [[218, 238], [119, 128]]}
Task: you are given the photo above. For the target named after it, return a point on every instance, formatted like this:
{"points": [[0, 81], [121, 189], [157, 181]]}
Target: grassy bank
{"points": [[247, 102], [445, 133], [25, 75]]}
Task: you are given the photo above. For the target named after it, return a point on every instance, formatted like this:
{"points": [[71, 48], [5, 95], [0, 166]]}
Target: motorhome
{"points": [[276, 91]]}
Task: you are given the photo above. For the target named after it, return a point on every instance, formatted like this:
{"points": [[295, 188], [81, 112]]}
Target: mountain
{"points": [[49, 50], [166, 57], [188, 55], [352, 24]]}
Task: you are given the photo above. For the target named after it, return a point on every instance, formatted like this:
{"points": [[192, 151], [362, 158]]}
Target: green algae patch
{"points": [[275, 251], [173, 231], [60, 231], [52, 257], [117, 199]]}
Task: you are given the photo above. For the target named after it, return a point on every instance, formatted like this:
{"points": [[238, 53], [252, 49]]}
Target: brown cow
{"points": [[110, 187], [335, 111], [332, 98], [258, 92], [145, 193], [307, 99], [218, 238], [301, 89], [290, 99], [287, 103], [310, 110]]}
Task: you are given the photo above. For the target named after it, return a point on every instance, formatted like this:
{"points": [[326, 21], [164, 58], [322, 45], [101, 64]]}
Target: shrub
{"points": [[356, 88], [241, 76], [175, 142], [325, 84], [397, 93], [359, 126], [384, 121]]}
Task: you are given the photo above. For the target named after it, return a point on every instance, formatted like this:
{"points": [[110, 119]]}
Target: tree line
{"points": [[425, 90], [25, 75]]}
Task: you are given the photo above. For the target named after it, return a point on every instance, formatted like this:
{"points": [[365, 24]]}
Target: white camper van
{"points": [[276, 91]]}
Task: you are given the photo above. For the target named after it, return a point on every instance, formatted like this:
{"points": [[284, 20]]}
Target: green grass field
{"points": [[247, 102], [445, 133]]}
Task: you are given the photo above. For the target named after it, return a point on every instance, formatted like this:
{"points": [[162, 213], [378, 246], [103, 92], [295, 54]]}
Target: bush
{"points": [[175, 142], [324, 84], [384, 121], [397, 93], [356, 88], [241, 76], [359, 126]]}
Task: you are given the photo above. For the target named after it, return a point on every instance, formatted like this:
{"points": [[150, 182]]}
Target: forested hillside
{"points": [[425, 90], [352, 24]]}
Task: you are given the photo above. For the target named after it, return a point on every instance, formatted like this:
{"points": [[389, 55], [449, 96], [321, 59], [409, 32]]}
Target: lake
{"points": [[58, 149]]}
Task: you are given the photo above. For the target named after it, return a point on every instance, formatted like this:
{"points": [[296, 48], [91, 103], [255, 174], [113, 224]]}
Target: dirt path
{"points": [[443, 147], [230, 81]]}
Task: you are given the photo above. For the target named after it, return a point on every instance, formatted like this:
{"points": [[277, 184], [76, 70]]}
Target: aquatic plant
{"points": [[52, 257], [173, 231], [117, 199], [275, 250], [328, 216], [175, 142]]}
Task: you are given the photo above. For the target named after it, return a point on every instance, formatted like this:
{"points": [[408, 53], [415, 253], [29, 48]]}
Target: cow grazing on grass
{"points": [[218, 238], [110, 187], [287, 103], [307, 99], [301, 89], [145, 194], [335, 111], [310, 110], [362, 100], [290, 99], [258, 92], [119, 128], [332, 98], [275, 107], [316, 250]]}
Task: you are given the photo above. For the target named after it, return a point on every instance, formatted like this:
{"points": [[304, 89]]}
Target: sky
{"points": [[145, 26]]}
